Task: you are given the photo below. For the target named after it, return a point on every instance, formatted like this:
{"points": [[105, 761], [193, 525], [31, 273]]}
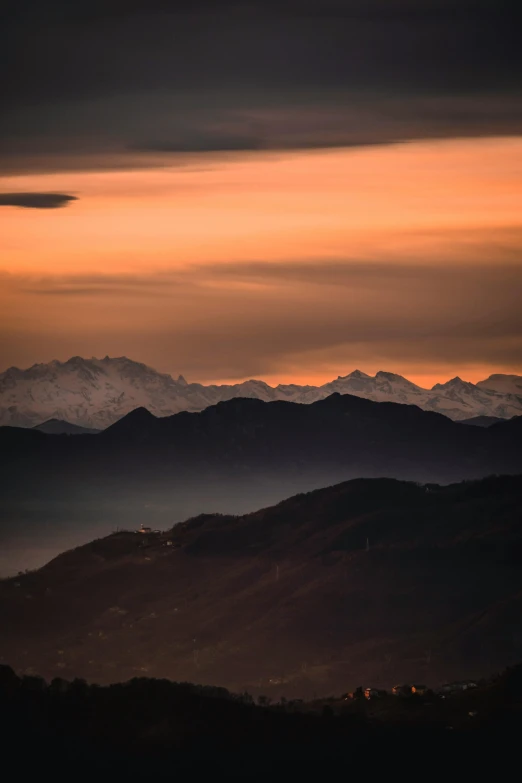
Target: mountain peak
{"points": [[139, 414], [354, 375], [255, 383], [56, 426], [75, 360], [96, 393], [390, 376], [502, 383], [135, 420], [454, 383]]}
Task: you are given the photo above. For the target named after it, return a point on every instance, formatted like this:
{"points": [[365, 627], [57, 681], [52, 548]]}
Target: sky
{"points": [[277, 190]]}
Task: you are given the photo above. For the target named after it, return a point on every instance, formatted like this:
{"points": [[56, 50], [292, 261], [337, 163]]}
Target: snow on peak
{"points": [[454, 383], [354, 374], [392, 376], [97, 392], [504, 384]]}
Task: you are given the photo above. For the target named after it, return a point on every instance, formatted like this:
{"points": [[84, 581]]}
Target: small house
{"points": [[456, 687], [373, 693], [144, 529], [401, 690]]}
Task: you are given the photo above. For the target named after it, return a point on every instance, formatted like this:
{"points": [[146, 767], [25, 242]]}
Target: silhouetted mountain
{"points": [[481, 421], [233, 457], [249, 440], [135, 425], [146, 728], [370, 581], [97, 392], [59, 427]]}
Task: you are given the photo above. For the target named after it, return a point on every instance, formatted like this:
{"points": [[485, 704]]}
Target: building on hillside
{"points": [[401, 690], [456, 687], [144, 529], [373, 693], [358, 693], [419, 690]]}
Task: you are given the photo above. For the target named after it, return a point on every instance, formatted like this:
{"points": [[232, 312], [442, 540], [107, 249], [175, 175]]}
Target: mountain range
{"points": [[244, 439], [58, 490], [94, 393], [370, 581]]}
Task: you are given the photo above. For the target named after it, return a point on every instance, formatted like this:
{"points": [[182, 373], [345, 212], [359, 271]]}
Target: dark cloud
{"points": [[202, 76], [202, 141], [36, 200], [78, 290], [163, 130]]}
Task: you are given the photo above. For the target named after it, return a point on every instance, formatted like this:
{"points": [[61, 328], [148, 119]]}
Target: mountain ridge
{"points": [[61, 427], [232, 457], [238, 436], [94, 393], [234, 600]]}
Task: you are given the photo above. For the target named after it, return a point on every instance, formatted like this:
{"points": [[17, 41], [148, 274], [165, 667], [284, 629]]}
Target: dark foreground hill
{"points": [[60, 427], [246, 439], [369, 581], [148, 727], [233, 457], [481, 421]]}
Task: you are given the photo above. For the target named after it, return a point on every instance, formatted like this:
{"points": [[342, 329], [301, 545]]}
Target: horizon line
{"points": [[271, 382]]}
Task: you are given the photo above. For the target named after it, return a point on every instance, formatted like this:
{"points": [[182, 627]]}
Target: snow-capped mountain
{"points": [[505, 384], [463, 395], [88, 392], [456, 399], [97, 392]]}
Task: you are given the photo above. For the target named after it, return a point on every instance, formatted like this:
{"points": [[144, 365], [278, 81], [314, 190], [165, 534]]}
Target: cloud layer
{"points": [[241, 320], [104, 78], [36, 200], [222, 232]]}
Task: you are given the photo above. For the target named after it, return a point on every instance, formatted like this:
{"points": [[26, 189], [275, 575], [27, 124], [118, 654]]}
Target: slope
{"points": [[367, 581], [59, 427], [57, 491]]}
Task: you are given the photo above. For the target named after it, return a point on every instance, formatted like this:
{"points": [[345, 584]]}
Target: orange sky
{"points": [[157, 262]]}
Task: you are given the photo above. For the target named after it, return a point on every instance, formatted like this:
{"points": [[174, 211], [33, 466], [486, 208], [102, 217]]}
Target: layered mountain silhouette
{"points": [[95, 393], [244, 439], [374, 581], [58, 427], [234, 457], [481, 421]]}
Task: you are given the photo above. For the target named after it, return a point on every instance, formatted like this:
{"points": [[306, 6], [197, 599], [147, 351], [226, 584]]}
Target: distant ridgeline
{"points": [[95, 393], [247, 441], [149, 726]]}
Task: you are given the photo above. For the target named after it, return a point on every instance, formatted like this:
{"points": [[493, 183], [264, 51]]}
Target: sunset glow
{"points": [[260, 385], [205, 237]]}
